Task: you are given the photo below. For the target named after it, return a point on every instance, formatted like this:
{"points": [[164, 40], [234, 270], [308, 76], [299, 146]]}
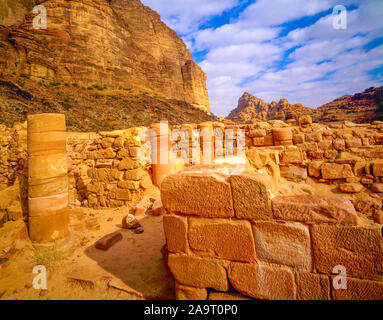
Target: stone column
{"points": [[160, 149], [47, 178]]}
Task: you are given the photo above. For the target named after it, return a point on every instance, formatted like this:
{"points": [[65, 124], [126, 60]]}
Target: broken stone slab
{"points": [[108, 241], [315, 209]]}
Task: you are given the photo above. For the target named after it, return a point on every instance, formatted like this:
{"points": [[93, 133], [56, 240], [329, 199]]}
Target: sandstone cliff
{"points": [[359, 108], [107, 43]]}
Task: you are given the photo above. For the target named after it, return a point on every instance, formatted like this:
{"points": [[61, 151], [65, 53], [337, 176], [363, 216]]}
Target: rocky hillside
{"points": [[359, 108], [251, 109], [108, 44], [92, 108]]}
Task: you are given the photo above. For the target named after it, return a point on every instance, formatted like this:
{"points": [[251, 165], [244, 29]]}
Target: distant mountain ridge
{"points": [[362, 107]]}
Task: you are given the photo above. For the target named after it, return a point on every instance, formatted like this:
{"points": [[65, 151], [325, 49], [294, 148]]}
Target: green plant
{"points": [[24, 75], [54, 84], [75, 85]]}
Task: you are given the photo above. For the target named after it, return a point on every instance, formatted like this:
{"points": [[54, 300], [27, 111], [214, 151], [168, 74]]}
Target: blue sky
{"points": [[279, 49]]}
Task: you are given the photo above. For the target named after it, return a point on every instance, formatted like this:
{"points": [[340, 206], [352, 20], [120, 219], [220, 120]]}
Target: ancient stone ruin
{"points": [[271, 210]]}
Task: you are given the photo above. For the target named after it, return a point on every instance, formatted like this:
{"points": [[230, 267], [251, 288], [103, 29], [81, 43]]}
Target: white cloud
{"points": [[185, 16], [249, 55]]}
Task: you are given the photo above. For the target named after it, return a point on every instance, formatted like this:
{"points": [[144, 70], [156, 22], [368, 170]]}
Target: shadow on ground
{"points": [[138, 260]]}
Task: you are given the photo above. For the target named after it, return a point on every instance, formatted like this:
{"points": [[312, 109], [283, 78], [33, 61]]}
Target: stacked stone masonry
{"points": [[104, 171], [218, 246]]}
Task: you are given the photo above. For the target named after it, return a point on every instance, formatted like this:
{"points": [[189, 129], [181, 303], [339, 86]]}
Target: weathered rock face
{"points": [[251, 109], [114, 44], [360, 108], [363, 107]]}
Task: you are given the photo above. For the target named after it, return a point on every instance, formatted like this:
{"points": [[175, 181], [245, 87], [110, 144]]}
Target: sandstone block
{"points": [[377, 169], [283, 243], [315, 169], [135, 174], [176, 228], [291, 155], [190, 293], [131, 185], [222, 238], [334, 171], [311, 286], [358, 249], [294, 173], [315, 209], [350, 187], [262, 282], [108, 241], [353, 143], [359, 290], [282, 134], [200, 194], [123, 194], [251, 197], [256, 133], [128, 164], [299, 138], [197, 272]]}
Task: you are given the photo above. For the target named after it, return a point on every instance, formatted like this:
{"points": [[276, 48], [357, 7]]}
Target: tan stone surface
{"points": [[315, 209], [251, 196], [190, 293], [358, 249], [311, 286], [197, 272], [201, 194], [283, 243], [223, 296], [336, 171], [359, 290], [262, 282], [222, 238], [176, 228]]}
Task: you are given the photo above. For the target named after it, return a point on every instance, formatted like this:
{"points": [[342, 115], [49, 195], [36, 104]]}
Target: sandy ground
{"points": [[134, 268]]}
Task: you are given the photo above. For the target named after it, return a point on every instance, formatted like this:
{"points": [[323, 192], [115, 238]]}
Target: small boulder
{"points": [[130, 222]]}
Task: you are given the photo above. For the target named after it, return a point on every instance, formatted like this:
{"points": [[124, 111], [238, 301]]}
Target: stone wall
{"points": [[104, 170], [348, 155], [228, 238]]}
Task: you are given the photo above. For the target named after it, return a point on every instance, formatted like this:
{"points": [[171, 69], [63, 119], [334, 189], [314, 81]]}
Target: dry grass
{"points": [[47, 257]]}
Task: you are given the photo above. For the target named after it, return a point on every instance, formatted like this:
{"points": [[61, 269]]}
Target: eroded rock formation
{"points": [[363, 107], [251, 109]]}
